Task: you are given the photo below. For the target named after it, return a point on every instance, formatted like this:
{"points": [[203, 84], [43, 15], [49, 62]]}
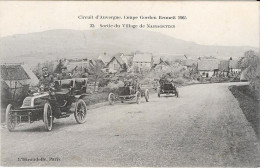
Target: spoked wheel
{"points": [[81, 111], [146, 95], [47, 116], [111, 98], [138, 97], [11, 119]]}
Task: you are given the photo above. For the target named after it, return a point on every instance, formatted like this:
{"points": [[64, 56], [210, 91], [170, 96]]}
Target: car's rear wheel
{"points": [[81, 111], [11, 119], [111, 98], [47, 116], [138, 97], [177, 94], [146, 95]]}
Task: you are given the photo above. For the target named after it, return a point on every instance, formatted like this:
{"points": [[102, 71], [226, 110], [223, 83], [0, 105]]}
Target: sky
{"points": [[227, 23]]}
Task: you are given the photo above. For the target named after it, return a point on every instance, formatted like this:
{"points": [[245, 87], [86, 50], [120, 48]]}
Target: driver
{"points": [[162, 80], [46, 79]]}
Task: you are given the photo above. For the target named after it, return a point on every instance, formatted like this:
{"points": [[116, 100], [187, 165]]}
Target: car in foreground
{"points": [[60, 100]]}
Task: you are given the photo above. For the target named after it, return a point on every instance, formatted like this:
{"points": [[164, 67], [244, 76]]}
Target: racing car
{"points": [[59, 100]]}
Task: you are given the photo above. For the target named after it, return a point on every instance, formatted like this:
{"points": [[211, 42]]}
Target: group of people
{"points": [[47, 79], [165, 79], [134, 82]]}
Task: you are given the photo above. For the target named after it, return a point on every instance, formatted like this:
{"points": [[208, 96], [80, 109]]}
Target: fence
{"points": [[91, 87]]}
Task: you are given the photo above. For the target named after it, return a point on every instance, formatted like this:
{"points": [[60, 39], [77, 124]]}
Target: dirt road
{"points": [[203, 127]]}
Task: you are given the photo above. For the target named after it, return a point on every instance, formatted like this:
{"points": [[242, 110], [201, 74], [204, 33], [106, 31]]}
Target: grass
{"points": [[96, 98], [250, 105]]}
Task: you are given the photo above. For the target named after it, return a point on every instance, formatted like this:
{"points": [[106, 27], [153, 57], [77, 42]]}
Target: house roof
{"points": [[118, 58], [223, 65], [145, 57], [172, 57], [190, 62], [208, 64], [105, 58], [100, 62], [13, 72], [33, 78], [233, 64]]}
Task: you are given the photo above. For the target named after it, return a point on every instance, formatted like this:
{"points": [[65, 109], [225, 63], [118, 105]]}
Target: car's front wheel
{"points": [[81, 111], [146, 95], [11, 119], [47, 116], [111, 98]]}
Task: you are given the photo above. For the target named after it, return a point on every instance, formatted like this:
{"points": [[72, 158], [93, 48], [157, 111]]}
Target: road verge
{"points": [[250, 105]]}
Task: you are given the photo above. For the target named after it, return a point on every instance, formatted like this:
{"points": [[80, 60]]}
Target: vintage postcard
{"points": [[130, 84]]}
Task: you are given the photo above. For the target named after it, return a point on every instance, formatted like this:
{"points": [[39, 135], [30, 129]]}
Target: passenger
{"points": [[135, 84], [64, 74]]}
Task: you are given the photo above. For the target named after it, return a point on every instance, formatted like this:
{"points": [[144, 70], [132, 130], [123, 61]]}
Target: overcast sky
{"points": [[209, 23]]}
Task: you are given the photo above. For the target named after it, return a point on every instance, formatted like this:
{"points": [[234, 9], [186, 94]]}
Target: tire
{"points": [[47, 116], [177, 94], [122, 101], [111, 98], [80, 112], [138, 97], [10, 119], [146, 95]]}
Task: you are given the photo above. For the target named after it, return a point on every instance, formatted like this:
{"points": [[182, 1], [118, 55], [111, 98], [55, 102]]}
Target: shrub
{"points": [[112, 87], [178, 81]]}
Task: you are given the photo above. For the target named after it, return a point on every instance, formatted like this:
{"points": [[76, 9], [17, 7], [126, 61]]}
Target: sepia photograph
{"points": [[130, 84]]}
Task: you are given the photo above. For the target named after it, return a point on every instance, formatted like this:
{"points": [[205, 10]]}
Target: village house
{"points": [[161, 66], [190, 63], [223, 68], [16, 80], [105, 58], [143, 61], [208, 67], [234, 67], [81, 64], [128, 59], [116, 64]]}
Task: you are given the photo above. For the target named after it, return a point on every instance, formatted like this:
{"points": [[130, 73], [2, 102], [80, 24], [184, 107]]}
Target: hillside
{"points": [[48, 45]]}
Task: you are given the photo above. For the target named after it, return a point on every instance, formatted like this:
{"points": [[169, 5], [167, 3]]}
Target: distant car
{"points": [[58, 101], [128, 93], [167, 88]]}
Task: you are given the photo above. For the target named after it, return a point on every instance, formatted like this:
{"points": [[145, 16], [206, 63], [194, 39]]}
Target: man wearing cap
{"points": [[64, 74], [46, 79]]}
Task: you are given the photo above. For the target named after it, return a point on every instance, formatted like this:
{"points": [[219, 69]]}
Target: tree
{"points": [[96, 73], [58, 67], [249, 64]]}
